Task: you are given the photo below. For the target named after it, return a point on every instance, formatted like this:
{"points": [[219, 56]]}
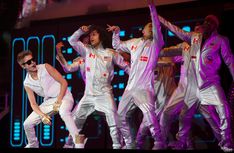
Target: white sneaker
{"points": [[116, 146], [227, 149], [32, 146]]}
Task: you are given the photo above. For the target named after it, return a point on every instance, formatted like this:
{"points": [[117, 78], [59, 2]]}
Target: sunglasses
{"points": [[29, 62]]}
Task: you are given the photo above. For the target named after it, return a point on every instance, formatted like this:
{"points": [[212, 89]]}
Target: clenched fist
{"points": [[46, 119], [85, 28]]}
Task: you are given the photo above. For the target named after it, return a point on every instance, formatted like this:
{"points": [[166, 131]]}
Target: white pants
{"points": [[47, 107], [175, 107], [163, 87], [143, 99], [103, 103], [211, 96], [172, 109]]}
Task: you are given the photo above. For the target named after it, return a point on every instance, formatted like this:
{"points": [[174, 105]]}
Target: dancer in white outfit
{"points": [[139, 91], [46, 82], [164, 85], [99, 70]]}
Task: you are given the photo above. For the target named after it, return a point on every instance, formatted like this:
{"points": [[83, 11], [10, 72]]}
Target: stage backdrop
{"points": [[41, 39]]}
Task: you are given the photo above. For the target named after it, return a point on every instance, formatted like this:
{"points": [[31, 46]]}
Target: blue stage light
{"points": [[121, 72], [69, 62], [120, 97], [121, 85], [69, 50], [69, 76], [187, 28], [170, 34], [122, 33]]}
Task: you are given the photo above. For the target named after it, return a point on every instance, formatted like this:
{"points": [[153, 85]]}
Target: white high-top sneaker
{"points": [[116, 146], [36, 145], [227, 148]]}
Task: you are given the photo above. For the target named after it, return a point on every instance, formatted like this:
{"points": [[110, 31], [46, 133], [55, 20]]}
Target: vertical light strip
{"points": [[12, 120]]}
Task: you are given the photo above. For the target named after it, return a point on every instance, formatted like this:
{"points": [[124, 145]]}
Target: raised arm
{"points": [[68, 68], [183, 35], [76, 43], [63, 62], [117, 44], [156, 28], [227, 55]]}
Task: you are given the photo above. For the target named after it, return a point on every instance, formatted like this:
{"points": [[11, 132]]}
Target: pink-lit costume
{"points": [[204, 81], [176, 101], [139, 91], [164, 85]]}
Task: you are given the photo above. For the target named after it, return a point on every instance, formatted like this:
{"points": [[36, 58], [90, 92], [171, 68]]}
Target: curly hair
{"points": [[104, 36]]}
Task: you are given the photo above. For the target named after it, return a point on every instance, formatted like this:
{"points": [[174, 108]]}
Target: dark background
{"points": [[131, 21]]}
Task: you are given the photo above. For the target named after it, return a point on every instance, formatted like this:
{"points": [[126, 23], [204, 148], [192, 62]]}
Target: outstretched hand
{"points": [[115, 29]]}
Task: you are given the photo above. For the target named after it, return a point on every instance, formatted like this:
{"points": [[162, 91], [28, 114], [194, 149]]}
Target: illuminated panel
{"points": [[69, 50], [69, 62], [120, 97], [17, 113], [46, 132], [47, 40], [69, 76], [121, 86], [186, 28], [170, 33], [122, 33], [121, 72], [69, 88], [32, 44], [47, 56]]}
